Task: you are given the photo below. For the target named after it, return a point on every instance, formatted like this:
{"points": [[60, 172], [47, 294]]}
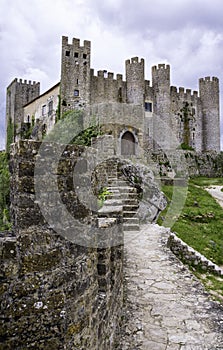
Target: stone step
{"points": [[131, 227], [130, 201], [113, 201], [109, 209], [133, 220], [129, 207], [131, 195], [118, 183], [129, 214], [122, 189], [114, 196]]}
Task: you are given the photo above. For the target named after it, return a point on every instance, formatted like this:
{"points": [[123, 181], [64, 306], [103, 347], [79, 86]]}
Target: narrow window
{"points": [[50, 107], [84, 56], [77, 81], [76, 93], [76, 54], [148, 106], [67, 53], [43, 110], [120, 94]]}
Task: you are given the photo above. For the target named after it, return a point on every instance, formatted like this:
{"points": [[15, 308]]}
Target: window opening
{"points": [[67, 53], [76, 93], [43, 110], [148, 106], [50, 107]]}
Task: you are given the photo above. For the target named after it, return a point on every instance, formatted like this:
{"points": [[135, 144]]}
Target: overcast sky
{"points": [[187, 34]]}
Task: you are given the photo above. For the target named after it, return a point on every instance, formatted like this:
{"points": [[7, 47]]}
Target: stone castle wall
{"points": [[19, 93], [56, 293], [191, 118], [189, 163]]}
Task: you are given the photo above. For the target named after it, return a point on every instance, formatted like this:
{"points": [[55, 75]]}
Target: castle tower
{"points": [[135, 81], [161, 107], [19, 93], [209, 94], [75, 74]]}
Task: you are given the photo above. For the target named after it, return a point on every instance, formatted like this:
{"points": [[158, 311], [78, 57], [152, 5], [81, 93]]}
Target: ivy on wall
{"points": [[10, 135], [74, 120], [4, 192], [186, 115]]}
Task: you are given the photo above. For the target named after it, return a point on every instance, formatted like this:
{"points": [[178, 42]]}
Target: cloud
{"points": [[187, 34]]}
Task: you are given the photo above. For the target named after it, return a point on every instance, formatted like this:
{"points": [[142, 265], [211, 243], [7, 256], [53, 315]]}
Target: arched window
{"points": [[128, 144]]}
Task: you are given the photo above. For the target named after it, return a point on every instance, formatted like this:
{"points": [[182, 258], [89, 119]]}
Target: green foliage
{"points": [[206, 181], [213, 283], [70, 129], [66, 128], [84, 138], [186, 147], [33, 120], [4, 192], [26, 131], [58, 109], [102, 195], [10, 135], [200, 223], [186, 115], [200, 226]]}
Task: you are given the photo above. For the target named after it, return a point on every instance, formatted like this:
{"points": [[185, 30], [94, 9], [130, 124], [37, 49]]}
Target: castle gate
{"points": [[127, 143]]}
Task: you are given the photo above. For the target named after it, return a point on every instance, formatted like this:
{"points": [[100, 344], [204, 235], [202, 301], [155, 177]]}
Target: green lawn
{"points": [[200, 225]]}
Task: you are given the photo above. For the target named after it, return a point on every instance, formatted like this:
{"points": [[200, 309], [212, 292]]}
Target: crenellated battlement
{"points": [[160, 67], [135, 60], [183, 93], [24, 82], [21, 82], [76, 43], [161, 76], [105, 86], [208, 80], [147, 83]]}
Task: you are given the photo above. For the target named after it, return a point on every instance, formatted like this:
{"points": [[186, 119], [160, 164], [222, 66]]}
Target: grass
{"points": [[200, 225], [204, 181]]}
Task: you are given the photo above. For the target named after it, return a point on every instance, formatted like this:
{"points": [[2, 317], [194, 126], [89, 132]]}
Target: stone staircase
{"points": [[122, 194]]}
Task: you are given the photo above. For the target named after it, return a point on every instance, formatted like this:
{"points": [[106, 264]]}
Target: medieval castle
{"points": [[149, 115], [62, 264]]}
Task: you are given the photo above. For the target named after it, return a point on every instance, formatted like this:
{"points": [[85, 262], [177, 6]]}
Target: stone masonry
{"points": [[166, 307], [56, 293], [165, 116]]}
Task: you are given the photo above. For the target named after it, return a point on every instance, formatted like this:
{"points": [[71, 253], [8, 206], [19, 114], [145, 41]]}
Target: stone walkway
{"points": [[216, 192], [166, 306]]}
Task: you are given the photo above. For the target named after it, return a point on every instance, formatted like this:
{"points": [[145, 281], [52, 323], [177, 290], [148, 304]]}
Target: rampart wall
{"points": [[56, 293]]}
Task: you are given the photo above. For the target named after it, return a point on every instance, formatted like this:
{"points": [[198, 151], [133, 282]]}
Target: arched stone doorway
{"points": [[128, 144]]}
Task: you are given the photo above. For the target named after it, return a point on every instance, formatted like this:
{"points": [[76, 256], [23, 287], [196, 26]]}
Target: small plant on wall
{"points": [[102, 196]]}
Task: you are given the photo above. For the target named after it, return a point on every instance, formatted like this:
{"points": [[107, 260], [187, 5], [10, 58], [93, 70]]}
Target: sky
{"points": [[187, 34]]}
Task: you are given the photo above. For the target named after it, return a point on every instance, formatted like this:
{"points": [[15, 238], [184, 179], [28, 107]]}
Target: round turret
{"points": [[209, 95], [135, 81]]}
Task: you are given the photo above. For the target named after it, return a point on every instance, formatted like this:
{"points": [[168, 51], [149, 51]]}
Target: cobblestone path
{"points": [[167, 308]]}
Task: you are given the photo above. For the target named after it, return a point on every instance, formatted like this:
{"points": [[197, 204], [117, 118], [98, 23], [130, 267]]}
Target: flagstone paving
{"points": [[166, 307]]}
